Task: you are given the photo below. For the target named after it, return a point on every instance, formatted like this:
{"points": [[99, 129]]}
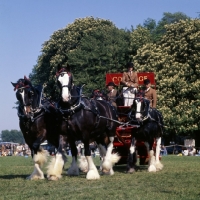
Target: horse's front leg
{"points": [[92, 173], [132, 157], [158, 164], [110, 159], [39, 158], [57, 162]]}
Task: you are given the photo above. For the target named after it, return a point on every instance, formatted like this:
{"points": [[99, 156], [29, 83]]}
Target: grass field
{"points": [[180, 179]]}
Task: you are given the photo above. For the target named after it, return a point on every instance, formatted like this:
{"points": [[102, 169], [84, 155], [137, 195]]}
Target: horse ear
{"points": [[59, 67], [65, 66], [14, 85], [27, 79]]}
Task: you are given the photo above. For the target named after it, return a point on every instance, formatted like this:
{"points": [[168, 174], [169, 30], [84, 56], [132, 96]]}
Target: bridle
{"points": [[20, 89], [142, 112], [33, 111], [61, 73]]}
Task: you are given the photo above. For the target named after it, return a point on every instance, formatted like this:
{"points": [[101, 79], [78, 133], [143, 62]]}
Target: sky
{"points": [[26, 24]]}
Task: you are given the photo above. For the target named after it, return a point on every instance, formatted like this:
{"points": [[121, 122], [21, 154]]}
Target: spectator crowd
{"points": [[10, 149]]}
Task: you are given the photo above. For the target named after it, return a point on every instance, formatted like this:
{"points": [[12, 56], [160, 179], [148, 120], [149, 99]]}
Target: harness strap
{"points": [[96, 112]]}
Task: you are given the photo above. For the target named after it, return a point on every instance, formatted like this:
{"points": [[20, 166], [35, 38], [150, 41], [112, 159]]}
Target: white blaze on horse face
{"points": [[26, 108], [64, 81], [138, 109]]}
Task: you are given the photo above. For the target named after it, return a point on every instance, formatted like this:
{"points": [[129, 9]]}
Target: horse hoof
{"points": [[105, 171], [34, 178], [53, 178], [131, 170]]}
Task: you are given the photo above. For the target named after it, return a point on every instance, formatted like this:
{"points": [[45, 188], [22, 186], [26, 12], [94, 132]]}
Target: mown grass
{"points": [[179, 180]]}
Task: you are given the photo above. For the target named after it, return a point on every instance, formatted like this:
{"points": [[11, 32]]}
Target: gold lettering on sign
{"points": [[142, 78], [116, 79]]}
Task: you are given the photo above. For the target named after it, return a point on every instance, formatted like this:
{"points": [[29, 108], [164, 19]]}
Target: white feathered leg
{"points": [[102, 152], [110, 159], [152, 162], [55, 167], [83, 164], [40, 158], [92, 170], [158, 164]]}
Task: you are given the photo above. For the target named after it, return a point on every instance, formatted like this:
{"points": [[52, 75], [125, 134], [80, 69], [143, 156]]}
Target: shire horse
{"points": [[37, 123], [150, 130], [87, 120]]}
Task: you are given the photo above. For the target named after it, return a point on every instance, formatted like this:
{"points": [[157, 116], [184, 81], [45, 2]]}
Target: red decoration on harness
{"points": [[62, 70]]}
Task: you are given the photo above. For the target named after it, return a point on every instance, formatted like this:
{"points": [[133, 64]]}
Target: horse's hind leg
{"points": [[110, 159], [40, 158], [57, 163], [56, 166], [73, 170], [102, 152]]}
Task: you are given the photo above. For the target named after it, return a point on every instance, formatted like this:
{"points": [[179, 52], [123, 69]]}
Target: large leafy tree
{"points": [[139, 37], [12, 136], [158, 29], [175, 60], [90, 46], [168, 18]]}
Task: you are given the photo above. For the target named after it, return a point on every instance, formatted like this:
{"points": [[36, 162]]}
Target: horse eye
{"points": [[62, 74], [20, 90]]}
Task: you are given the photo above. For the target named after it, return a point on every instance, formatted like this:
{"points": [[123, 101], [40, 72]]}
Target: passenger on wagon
{"points": [[112, 93], [150, 93], [130, 81]]}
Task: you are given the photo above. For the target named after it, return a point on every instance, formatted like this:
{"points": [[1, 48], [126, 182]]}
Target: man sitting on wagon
{"points": [[130, 82]]}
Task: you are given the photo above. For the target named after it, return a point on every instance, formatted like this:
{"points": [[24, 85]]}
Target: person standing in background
{"points": [[150, 93]]}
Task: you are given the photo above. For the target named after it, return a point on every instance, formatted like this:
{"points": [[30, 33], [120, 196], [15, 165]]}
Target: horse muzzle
{"points": [[66, 98], [27, 110], [138, 116]]}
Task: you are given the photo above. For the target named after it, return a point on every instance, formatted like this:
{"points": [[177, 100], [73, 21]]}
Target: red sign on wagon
{"points": [[116, 78]]}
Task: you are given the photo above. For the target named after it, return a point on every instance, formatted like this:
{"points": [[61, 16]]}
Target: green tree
{"points": [[12, 136], [168, 18], [90, 46], [175, 60], [139, 37]]}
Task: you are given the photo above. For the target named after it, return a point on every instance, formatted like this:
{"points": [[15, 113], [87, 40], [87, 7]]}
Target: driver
{"points": [[130, 80]]}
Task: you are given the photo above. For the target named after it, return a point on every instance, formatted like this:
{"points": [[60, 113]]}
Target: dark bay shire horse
{"points": [[37, 121], [150, 131], [88, 120]]}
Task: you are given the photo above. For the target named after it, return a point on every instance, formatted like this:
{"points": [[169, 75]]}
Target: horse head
{"points": [[64, 81], [98, 95], [140, 107], [26, 94]]}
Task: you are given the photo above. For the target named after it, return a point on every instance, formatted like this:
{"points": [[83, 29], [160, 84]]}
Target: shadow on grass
{"points": [[123, 168], [7, 177]]}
